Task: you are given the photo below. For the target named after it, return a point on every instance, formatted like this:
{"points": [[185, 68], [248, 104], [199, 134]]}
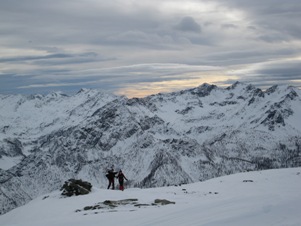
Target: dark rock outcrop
{"points": [[76, 187]]}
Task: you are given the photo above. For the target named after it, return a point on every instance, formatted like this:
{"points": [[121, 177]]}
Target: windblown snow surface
{"points": [[271, 197]]}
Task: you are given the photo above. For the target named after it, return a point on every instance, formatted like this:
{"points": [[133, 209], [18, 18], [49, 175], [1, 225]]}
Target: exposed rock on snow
{"points": [[76, 187], [110, 205]]}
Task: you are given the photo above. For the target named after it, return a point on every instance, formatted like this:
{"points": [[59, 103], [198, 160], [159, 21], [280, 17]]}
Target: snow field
{"points": [[271, 197]]}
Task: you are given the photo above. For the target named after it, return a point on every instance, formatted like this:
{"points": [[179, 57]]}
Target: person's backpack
{"points": [[107, 176]]}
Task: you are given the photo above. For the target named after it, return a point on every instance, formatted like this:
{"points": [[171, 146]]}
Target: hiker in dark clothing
{"points": [[121, 178], [111, 177]]}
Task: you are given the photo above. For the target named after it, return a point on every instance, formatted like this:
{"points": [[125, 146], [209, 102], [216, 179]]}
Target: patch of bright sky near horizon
{"points": [[137, 48]]}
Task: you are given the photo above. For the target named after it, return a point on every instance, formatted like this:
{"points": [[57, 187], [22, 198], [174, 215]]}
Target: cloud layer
{"points": [[122, 46]]}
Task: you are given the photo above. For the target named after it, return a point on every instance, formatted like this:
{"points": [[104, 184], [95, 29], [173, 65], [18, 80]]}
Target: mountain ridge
{"points": [[159, 140]]}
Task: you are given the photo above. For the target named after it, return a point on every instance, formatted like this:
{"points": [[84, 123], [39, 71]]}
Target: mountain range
{"points": [[159, 140]]}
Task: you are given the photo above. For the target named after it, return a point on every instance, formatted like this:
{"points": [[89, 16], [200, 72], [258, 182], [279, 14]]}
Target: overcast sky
{"points": [[141, 47]]}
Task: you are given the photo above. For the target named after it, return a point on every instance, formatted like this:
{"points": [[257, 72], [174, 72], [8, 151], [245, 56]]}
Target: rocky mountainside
{"points": [[159, 140]]}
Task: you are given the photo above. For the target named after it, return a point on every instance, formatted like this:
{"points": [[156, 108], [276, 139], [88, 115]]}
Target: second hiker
{"points": [[121, 178]]}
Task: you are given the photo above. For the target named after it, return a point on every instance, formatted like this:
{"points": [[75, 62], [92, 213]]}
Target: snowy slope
{"points": [[262, 198], [160, 140]]}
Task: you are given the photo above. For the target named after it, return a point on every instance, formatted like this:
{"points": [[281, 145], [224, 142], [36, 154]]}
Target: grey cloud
{"points": [[57, 58], [188, 24], [75, 22], [30, 58], [75, 59], [270, 73], [229, 26], [281, 18], [140, 39], [255, 55], [286, 70], [266, 7]]}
